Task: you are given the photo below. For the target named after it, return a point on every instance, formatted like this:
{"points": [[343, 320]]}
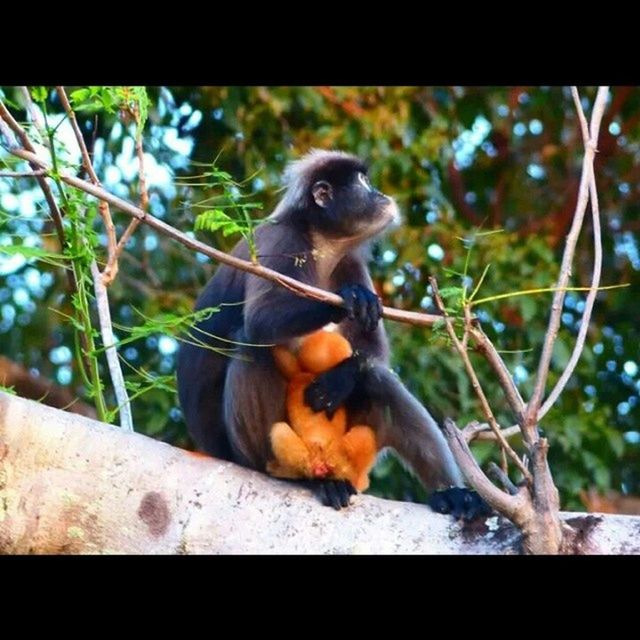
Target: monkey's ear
{"points": [[322, 193]]}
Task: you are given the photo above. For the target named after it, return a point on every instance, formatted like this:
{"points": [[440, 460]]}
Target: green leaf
{"points": [[39, 94]]}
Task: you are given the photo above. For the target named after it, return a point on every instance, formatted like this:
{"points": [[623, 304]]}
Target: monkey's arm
{"points": [[274, 315]]}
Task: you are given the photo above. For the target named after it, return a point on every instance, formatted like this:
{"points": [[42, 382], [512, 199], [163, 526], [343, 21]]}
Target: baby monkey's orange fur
{"points": [[314, 446]]}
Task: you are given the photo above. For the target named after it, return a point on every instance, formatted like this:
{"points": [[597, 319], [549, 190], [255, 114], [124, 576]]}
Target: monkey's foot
{"points": [[334, 493], [460, 503]]}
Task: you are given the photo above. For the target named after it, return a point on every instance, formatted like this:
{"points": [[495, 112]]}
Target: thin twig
{"points": [[477, 387], [530, 432], [491, 355], [514, 507], [143, 204], [300, 288], [496, 473], [482, 431], [108, 340], [112, 265], [36, 118], [22, 174], [595, 278], [103, 207]]}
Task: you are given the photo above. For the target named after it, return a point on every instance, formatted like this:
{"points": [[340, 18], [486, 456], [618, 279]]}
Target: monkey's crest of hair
{"points": [[299, 174]]}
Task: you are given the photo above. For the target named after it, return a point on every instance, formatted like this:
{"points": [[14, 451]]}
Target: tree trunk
{"points": [[69, 484]]}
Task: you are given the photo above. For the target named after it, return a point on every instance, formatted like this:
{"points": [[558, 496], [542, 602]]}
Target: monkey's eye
{"points": [[364, 181]]}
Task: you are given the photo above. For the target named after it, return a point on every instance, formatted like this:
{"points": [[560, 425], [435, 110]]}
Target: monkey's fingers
{"points": [[362, 305], [330, 390]]}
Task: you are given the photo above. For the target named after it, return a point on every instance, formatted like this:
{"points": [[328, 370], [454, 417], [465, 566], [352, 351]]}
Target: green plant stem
{"points": [[81, 307]]}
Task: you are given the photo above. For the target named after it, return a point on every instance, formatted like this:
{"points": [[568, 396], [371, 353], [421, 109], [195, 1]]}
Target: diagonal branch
{"points": [[511, 506], [491, 355], [410, 317], [22, 174], [477, 387], [529, 424]]}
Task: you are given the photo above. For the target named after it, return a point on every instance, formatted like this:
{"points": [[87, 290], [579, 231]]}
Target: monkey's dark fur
{"points": [[318, 235]]}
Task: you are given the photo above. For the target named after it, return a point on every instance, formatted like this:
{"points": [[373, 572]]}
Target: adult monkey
{"points": [[317, 234]]}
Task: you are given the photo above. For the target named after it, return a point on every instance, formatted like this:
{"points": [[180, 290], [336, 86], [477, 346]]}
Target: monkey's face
{"points": [[346, 205]]}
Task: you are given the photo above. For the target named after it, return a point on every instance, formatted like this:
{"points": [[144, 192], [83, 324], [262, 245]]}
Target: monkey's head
{"points": [[330, 192]]}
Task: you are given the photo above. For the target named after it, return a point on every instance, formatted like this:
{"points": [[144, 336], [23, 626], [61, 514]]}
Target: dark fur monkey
{"points": [[317, 234]]}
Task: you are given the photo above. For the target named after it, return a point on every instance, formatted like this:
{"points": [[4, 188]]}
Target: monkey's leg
{"points": [[201, 375], [360, 447], [402, 423], [291, 453], [254, 399]]}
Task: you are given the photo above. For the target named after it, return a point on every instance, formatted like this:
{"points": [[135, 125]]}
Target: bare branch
{"points": [[42, 389], [486, 348], [529, 424], [36, 118], [22, 174], [477, 387], [108, 340], [112, 266], [36, 166], [498, 474], [510, 506], [482, 431], [595, 278], [409, 317]]}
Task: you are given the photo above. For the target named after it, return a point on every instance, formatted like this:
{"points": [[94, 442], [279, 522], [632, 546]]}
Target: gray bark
{"points": [[69, 484]]}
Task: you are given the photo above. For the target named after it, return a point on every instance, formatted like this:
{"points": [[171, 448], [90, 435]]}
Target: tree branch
{"points": [[498, 474], [486, 348], [510, 506], [73, 485], [108, 340], [595, 278], [477, 387], [27, 385], [22, 174], [144, 203], [409, 317], [531, 415], [482, 431]]}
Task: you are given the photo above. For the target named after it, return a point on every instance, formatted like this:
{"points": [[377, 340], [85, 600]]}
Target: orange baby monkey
{"points": [[314, 445]]}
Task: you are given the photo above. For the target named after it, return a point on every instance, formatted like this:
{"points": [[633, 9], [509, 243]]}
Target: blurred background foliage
{"points": [[461, 162]]}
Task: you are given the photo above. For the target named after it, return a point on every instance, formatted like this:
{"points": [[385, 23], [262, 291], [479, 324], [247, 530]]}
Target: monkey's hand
{"points": [[330, 389], [361, 305], [460, 503]]}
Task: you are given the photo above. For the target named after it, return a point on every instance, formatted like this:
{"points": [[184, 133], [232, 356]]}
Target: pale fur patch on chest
{"points": [[326, 254]]}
